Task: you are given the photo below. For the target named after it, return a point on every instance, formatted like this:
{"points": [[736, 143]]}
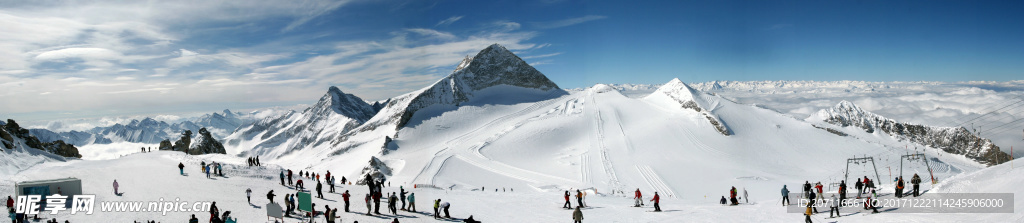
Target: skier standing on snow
{"points": [[332, 184], [319, 192], [376, 202], [807, 189], [577, 216], [860, 187], [899, 187], [579, 198], [834, 206], [638, 199], [567, 204], [657, 202], [916, 180], [258, 161], [842, 190], [722, 201], [393, 203], [810, 203], [248, 195], [437, 203], [874, 197], [412, 202], [115, 188], [785, 195], [819, 187], [402, 196], [289, 177], [270, 196], [807, 214], [181, 168], [345, 197]]}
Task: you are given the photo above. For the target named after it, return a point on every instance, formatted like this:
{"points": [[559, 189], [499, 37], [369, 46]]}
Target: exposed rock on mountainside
{"points": [[11, 135]]}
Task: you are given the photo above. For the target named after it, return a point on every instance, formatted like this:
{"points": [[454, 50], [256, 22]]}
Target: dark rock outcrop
{"points": [[11, 133]]}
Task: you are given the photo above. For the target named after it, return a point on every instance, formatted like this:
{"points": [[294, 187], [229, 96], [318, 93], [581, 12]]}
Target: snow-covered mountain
{"points": [[13, 137], [676, 92], [149, 130], [334, 114], [954, 140]]}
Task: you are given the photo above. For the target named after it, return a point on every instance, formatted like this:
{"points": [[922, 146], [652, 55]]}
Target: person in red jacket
{"points": [[657, 201], [10, 202], [345, 197], [638, 199], [567, 204]]}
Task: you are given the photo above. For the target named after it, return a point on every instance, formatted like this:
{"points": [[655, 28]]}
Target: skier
{"points": [[376, 202], [899, 187], [437, 203], [842, 190], [567, 204], [722, 201], [807, 188], [834, 206], [270, 196], [445, 205], [10, 202], [115, 188], [402, 196], [332, 184], [874, 197], [810, 203], [577, 215], [746, 198], [916, 180], [181, 168], [345, 197], [258, 161], [657, 201], [368, 208], [207, 170], [343, 180], [412, 202], [299, 185], [579, 198], [248, 195], [319, 192], [785, 196], [732, 196], [819, 187], [393, 203], [860, 187], [807, 214], [637, 198], [193, 219]]}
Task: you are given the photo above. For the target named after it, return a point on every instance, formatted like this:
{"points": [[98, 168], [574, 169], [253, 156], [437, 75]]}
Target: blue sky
{"points": [[62, 59]]}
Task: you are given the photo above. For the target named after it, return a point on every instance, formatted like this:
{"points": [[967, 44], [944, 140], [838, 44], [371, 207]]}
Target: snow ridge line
{"points": [[654, 180]]}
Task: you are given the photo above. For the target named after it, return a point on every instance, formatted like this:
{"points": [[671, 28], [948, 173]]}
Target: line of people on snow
{"points": [[863, 185], [254, 161]]}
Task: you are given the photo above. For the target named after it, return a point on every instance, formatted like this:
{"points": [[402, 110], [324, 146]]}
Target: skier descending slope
{"points": [[181, 168]]}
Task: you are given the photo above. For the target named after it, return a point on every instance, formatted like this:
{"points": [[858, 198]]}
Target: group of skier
{"points": [[254, 161], [207, 168], [865, 190], [900, 184]]}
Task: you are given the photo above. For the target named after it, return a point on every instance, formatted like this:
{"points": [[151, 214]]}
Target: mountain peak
{"points": [[345, 104], [678, 90]]}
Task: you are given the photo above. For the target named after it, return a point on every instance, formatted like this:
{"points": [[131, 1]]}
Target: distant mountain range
{"points": [[149, 130]]}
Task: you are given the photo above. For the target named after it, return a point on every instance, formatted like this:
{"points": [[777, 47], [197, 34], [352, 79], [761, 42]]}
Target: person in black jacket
{"points": [[270, 196]]}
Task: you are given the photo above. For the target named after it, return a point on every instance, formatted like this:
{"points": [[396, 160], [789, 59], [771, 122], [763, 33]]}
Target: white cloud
{"points": [[541, 56], [568, 22], [449, 21], [431, 32]]}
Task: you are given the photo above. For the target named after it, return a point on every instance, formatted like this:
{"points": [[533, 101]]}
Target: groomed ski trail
{"points": [[655, 181], [606, 163]]}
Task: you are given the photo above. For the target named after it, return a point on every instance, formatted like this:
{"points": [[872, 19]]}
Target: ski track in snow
{"points": [[606, 162], [585, 168], [654, 180]]}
